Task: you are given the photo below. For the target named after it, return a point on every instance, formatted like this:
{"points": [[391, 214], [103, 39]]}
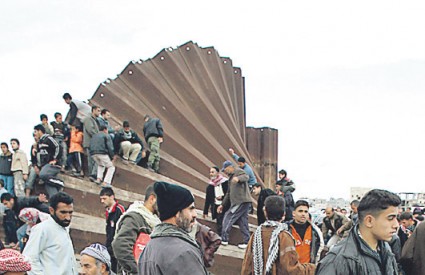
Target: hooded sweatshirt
{"points": [[182, 256]]}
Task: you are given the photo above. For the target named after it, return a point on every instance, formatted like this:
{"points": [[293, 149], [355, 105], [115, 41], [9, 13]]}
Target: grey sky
{"points": [[342, 81]]}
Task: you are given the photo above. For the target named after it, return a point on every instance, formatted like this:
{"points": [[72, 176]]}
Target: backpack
{"points": [[140, 244]]}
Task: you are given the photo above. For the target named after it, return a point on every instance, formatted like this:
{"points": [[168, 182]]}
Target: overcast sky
{"points": [[343, 82]]}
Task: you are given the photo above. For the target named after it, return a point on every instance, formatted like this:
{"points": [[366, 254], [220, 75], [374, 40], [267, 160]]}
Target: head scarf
{"points": [[13, 261]]}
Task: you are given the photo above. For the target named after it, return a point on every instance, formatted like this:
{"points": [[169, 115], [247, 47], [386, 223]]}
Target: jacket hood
{"points": [[170, 230]]}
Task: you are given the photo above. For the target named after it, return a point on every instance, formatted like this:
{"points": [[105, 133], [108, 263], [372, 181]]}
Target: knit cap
{"points": [[171, 199], [13, 261], [99, 252]]}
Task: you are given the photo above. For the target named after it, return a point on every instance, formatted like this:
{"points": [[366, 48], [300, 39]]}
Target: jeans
{"points": [[10, 225], [21, 233], [8, 184]]}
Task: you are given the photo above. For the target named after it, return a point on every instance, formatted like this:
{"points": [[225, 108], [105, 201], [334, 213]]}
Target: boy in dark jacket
{"points": [[366, 249], [128, 143], [48, 156], [262, 194]]}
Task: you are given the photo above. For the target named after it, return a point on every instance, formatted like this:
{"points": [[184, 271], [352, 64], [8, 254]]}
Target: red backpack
{"points": [[140, 244]]}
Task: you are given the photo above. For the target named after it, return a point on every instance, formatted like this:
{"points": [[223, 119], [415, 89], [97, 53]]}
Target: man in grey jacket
{"points": [[238, 201], [102, 152], [91, 127], [140, 218], [172, 250]]}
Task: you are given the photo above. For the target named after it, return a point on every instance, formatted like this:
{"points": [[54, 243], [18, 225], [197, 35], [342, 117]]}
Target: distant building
{"points": [[411, 199], [357, 193]]}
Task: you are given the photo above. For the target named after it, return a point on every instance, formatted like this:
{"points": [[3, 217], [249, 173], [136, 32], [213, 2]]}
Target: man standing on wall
{"points": [[154, 133]]}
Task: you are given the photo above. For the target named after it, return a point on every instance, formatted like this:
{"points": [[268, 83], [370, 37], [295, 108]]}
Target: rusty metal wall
{"points": [[262, 144], [199, 97]]}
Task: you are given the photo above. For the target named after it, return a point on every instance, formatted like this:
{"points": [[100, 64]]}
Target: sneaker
{"points": [[151, 169], [92, 179], [124, 161], [132, 162], [224, 243], [98, 182], [56, 182], [242, 245]]}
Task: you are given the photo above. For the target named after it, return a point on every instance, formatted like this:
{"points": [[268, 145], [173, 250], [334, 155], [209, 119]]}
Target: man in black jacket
{"points": [[154, 134], [262, 194], [49, 156], [15, 205], [61, 134], [128, 143], [366, 249], [114, 211]]}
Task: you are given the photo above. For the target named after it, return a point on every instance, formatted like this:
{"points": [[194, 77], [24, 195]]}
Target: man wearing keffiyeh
{"points": [[271, 249]]}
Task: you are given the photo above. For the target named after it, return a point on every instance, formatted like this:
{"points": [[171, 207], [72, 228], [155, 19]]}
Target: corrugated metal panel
{"points": [[262, 145], [200, 99]]}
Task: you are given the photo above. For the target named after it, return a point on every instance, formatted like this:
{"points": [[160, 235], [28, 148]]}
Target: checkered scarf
{"points": [[13, 261], [273, 251]]}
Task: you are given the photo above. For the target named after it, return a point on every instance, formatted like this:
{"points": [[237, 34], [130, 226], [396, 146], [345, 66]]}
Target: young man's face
{"points": [[68, 101], [9, 204], [385, 225], [4, 149], [354, 208], [186, 218], [281, 176], [407, 223], [300, 214], [15, 145], [37, 134], [44, 121], [241, 164], [59, 119], [63, 213], [96, 112], [106, 115], [278, 188], [107, 201], [256, 190]]}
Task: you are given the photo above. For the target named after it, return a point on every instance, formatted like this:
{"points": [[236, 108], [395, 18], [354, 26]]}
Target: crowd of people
{"points": [[375, 238]]}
